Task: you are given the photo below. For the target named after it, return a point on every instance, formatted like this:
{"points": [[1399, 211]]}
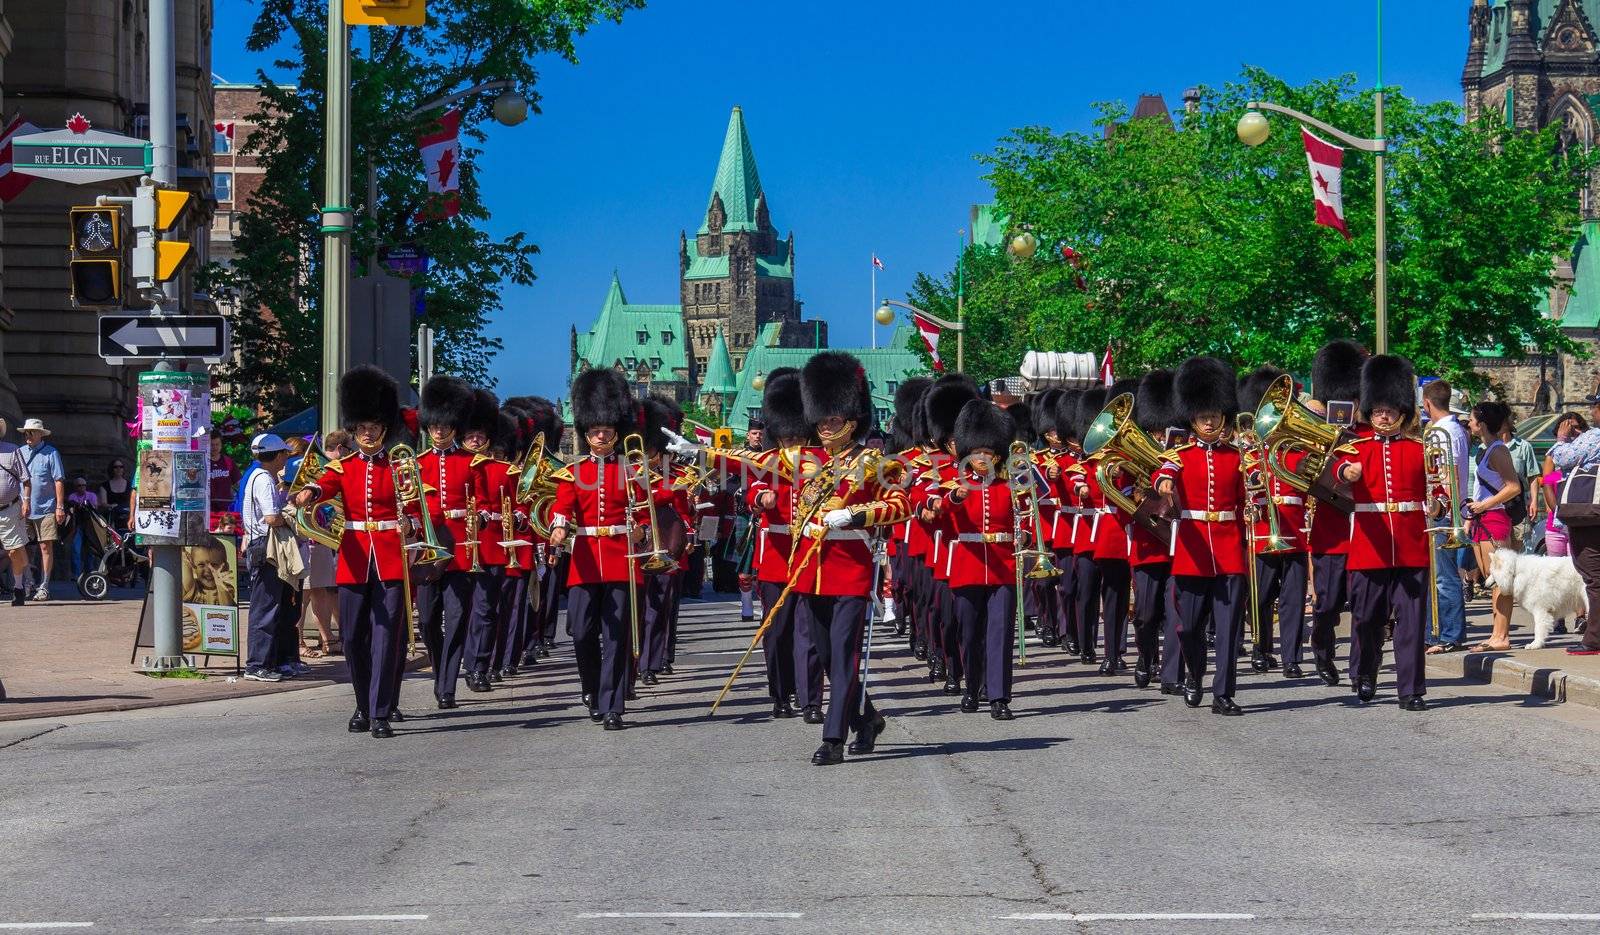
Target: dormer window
{"points": [[666, 337], [642, 337]]}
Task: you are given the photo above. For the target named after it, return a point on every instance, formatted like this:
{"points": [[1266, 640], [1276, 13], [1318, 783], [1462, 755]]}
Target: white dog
{"points": [[1547, 587]]}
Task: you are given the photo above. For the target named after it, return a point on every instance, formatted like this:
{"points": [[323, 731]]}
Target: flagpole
{"points": [[961, 334], [872, 310], [1381, 286]]}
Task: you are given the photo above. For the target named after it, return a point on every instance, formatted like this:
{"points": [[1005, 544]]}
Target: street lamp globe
{"points": [[510, 108], [884, 315], [759, 381], [1253, 128], [1024, 245]]}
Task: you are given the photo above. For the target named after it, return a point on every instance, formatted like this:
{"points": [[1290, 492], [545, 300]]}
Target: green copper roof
{"points": [[1542, 14], [886, 367], [629, 334], [1583, 308], [737, 181], [719, 376], [989, 227], [779, 265]]}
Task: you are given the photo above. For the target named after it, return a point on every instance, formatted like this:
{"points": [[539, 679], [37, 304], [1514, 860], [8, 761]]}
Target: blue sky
{"points": [[865, 118]]}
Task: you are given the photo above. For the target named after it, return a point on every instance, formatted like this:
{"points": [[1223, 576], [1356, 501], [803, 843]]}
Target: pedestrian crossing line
{"points": [[1128, 917], [393, 917], [690, 915], [1535, 917], [41, 926]]}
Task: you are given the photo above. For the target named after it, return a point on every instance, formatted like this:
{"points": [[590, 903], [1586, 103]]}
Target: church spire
{"points": [[737, 184]]}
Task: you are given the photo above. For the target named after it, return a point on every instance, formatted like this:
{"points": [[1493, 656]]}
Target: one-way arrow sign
{"points": [[129, 337]]}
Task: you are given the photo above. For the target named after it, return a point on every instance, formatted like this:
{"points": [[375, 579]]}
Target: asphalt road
{"points": [[1100, 809]]}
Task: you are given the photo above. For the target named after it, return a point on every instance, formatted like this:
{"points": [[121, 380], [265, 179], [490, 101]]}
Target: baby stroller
{"points": [[114, 557]]}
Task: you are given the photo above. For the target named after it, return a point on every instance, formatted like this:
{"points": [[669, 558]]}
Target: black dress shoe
{"points": [[781, 709], [447, 702], [1366, 690], [1258, 662], [1070, 645], [666, 669], [1000, 711], [1328, 673], [397, 716], [1141, 674], [1191, 692], [921, 654], [530, 658], [1292, 671], [494, 675], [510, 671], [969, 703], [588, 700], [952, 686], [1222, 704], [937, 673], [649, 678], [811, 714], [1272, 661], [381, 729], [1107, 667], [633, 694], [477, 682], [1170, 688], [595, 715], [1088, 657], [1413, 703], [866, 741], [831, 753], [613, 721], [544, 650], [360, 723]]}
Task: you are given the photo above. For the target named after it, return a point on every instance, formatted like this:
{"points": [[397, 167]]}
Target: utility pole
{"points": [[336, 217]]}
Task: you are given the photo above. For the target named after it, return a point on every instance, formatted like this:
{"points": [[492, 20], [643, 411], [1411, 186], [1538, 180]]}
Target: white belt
{"points": [[1080, 510], [495, 517], [374, 525], [817, 531], [602, 530], [985, 537], [1408, 506], [1289, 501], [455, 514], [1212, 516], [778, 530]]}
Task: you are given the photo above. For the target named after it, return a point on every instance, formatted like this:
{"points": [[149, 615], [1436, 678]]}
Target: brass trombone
{"points": [[1439, 465], [408, 485], [1033, 563], [636, 467]]}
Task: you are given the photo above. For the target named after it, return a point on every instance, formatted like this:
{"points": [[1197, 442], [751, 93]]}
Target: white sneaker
{"points": [[43, 593]]}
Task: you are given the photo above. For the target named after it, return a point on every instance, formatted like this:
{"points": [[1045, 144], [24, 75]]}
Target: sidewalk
{"points": [[1547, 673], [70, 656]]}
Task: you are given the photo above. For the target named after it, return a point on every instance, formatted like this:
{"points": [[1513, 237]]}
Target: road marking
{"points": [[303, 919], [1535, 917], [1128, 917], [690, 915], [45, 925]]}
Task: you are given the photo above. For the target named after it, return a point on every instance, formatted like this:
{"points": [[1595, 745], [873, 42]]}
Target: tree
{"points": [[278, 273], [1192, 242]]}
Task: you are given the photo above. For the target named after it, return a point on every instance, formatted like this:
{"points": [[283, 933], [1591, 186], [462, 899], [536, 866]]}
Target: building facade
{"points": [[57, 59]]}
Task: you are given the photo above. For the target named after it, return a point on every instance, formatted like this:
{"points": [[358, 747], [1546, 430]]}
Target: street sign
{"points": [[80, 155], [150, 337]]}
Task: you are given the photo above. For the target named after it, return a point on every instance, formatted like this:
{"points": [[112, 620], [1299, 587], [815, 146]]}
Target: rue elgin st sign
{"points": [[80, 155]]}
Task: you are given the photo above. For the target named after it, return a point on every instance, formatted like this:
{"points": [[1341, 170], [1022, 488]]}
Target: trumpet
{"points": [[508, 532], [408, 485], [474, 523], [1114, 441], [636, 467], [1439, 462], [1284, 424]]}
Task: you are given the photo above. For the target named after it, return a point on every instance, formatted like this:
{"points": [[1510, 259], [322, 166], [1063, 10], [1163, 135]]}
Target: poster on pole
{"points": [[209, 614]]}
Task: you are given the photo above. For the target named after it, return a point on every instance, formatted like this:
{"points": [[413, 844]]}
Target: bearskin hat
{"points": [[907, 400], [783, 408], [1154, 409], [1254, 385], [368, 394], [509, 436], [660, 414], [542, 416], [1022, 418], [1090, 402], [1129, 385], [942, 406], [1206, 384], [1067, 414], [1336, 371], [602, 397], [833, 383], [1387, 380], [447, 401], [982, 424], [1043, 410], [484, 416]]}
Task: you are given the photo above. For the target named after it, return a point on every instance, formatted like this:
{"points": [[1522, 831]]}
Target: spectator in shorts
{"points": [[47, 500], [13, 524], [1568, 428], [1487, 519]]}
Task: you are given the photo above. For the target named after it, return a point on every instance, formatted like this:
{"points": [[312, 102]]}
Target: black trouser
{"points": [[510, 631], [927, 601], [1583, 544], [486, 588], [660, 596], [444, 607], [1150, 613], [778, 644], [949, 630], [1114, 580], [1221, 601], [554, 584], [1066, 619], [1332, 584], [1281, 582], [601, 631], [724, 573], [988, 631], [272, 617], [372, 626], [836, 625], [1376, 597], [1087, 597]]}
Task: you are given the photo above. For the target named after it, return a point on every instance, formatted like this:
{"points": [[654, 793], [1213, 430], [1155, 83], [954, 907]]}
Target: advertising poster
{"points": [[172, 419], [211, 597], [190, 481], [155, 479]]}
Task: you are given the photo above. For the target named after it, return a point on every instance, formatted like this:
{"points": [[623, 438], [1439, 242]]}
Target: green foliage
{"points": [[278, 273], [693, 412], [1195, 243]]}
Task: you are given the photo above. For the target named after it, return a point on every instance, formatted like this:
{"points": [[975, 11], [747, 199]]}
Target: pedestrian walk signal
{"points": [[385, 12], [96, 257]]}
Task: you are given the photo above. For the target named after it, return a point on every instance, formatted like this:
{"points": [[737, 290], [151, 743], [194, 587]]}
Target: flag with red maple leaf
{"points": [[1327, 181], [78, 123], [441, 163]]}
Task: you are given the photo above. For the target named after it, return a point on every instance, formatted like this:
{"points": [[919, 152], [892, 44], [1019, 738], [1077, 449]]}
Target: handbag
{"points": [[1579, 500]]}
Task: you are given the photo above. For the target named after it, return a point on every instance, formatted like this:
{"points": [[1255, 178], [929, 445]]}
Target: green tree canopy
{"points": [[1192, 242], [277, 275]]}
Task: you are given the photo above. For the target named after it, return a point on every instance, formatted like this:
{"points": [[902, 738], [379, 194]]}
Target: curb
{"points": [[1504, 670]]}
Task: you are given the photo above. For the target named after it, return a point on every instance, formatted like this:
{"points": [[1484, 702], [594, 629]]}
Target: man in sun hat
{"points": [[47, 498]]}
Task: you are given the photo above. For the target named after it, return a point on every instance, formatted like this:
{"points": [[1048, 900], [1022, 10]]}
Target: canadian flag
{"points": [[1327, 174], [1107, 375], [441, 162], [12, 183], [225, 127], [930, 337], [702, 433]]}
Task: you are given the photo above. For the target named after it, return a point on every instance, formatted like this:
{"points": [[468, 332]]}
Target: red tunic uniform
{"points": [[497, 483], [939, 530], [372, 517], [451, 476], [1065, 525], [842, 565], [1208, 538], [773, 540], [592, 504], [981, 550], [1290, 505], [1386, 529], [1111, 525], [1086, 490]]}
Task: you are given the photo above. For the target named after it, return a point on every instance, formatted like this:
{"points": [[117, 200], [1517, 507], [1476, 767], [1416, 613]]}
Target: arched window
{"points": [[1576, 123]]}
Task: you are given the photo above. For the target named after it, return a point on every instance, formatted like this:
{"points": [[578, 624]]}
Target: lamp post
{"points": [[958, 327]]}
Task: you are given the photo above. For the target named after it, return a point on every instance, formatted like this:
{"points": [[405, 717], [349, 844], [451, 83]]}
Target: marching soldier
{"points": [[1047, 458], [1282, 568], [1086, 492], [452, 484], [1064, 528], [510, 441], [372, 563], [661, 591], [1150, 558], [1388, 554], [1111, 543], [489, 581], [1206, 480], [546, 580], [907, 443], [941, 407], [1335, 384]]}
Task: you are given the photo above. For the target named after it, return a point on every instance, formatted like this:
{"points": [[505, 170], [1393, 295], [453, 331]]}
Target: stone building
{"points": [[237, 172], [58, 58], [1532, 64]]}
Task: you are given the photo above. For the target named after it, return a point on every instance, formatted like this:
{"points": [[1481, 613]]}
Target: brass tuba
{"points": [[322, 522], [537, 477], [1284, 424], [1114, 441], [408, 485]]}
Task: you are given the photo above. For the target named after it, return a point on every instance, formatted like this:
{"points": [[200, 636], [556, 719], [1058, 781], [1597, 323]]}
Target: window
{"points": [[642, 337], [882, 414], [893, 385], [753, 413], [666, 337], [223, 183], [221, 144]]}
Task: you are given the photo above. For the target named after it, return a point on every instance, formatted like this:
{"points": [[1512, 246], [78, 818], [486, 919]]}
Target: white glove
{"points": [[677, 444], [839, 519]]}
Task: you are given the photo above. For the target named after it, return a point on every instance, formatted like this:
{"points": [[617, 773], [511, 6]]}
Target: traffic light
{"points": [[96, 256], [385, 12], [155, 211]]}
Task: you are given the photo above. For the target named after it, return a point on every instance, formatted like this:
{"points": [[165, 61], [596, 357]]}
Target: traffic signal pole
{"points": [[336, 217]]}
